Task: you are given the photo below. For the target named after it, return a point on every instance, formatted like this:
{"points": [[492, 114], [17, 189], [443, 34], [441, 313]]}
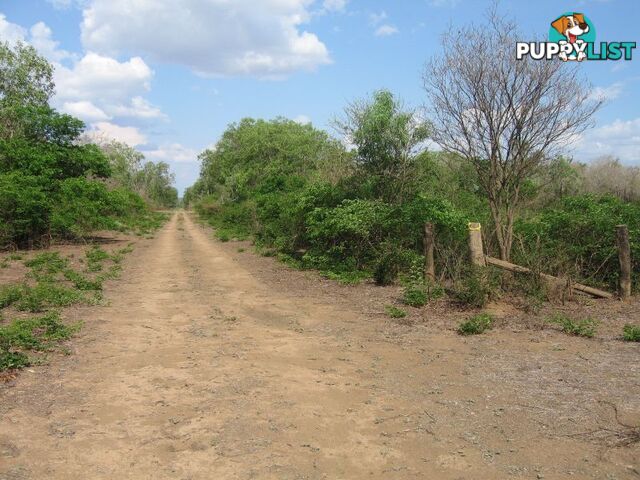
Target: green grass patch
{"points": [[96, 256], [46, 264], [47, 295], [395, 312], [585, 327], [631, 333], [31, 334], [81, 282], [12, 360], [419, 294], [10, 294], [223, 235], [476, 325]]}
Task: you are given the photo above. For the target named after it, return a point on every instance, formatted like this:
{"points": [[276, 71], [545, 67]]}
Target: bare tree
{"points": [[606, 175], [505, 116]]}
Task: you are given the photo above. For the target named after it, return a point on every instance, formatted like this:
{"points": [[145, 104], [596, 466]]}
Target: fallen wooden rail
{"points": [[512, 267]]}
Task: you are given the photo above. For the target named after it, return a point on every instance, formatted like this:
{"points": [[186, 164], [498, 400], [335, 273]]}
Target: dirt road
{"points": [[200, 368]]}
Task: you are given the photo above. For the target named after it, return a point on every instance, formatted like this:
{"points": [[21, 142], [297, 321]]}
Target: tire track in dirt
{"points": [[198, 370]]}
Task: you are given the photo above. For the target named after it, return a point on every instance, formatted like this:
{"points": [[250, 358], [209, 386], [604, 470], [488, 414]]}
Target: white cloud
{"points": [[385, 30], [173, 152], [302, 119], [377, 18], [334, 5], [85, 110], [92, 87], [139, 108], [212, 37], [95, 75], [620, 138], [10, 32], [40, 38], [381, 29], [611, 92], [107, 130]]}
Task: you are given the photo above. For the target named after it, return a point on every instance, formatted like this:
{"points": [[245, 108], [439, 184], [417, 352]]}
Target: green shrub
{"points": [[476, 324], [415, 296], [395, 312], [223, 235], [13, 360], [45, 295], [24, 208], [353, 277], [419, 294], [82, 206], [477, 287], [576, 236], [585, 327], [47, 264], [95, 257], [81, 282], [387, 267], [10, 294], [37, 334], [631, 333]]}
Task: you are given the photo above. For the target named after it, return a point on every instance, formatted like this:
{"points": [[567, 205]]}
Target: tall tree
{"points": [[505, 116], [387, 137]]}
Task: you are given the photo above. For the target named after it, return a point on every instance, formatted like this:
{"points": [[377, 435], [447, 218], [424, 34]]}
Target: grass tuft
{"points": [[476, 325], [38, 334], [395, 312], [585, 327], [631, 333]]}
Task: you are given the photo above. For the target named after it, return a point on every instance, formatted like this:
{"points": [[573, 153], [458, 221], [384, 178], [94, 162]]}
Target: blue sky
{"points": [[168, 76]]}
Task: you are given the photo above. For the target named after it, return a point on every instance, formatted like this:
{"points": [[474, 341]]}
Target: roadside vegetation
{"points": [[57, 185], [52, 283], [54, 183], [354, 206]]}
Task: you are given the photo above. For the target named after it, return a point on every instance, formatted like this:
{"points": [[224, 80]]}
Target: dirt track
{"points": [[200, 369]]}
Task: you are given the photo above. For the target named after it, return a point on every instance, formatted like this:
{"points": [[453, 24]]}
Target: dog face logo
{"points": [[568, 29], [571, 26]]}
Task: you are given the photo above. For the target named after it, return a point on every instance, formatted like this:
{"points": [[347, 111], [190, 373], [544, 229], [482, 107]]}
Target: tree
{"points": [[507, 117], [156, 180], [387, 137], [26, 83], [125, 162], [25, 76]]}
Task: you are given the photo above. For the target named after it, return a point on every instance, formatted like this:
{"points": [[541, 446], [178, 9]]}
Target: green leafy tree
{"points": [[387, 138]]}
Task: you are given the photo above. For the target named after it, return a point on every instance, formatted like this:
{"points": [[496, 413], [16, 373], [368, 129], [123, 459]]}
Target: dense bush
{"points": [[577, 236], [303, 197], [51, 183]]}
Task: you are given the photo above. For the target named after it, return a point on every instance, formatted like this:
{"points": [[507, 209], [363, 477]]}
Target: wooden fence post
{"points": [[475, 245], [624, 256], [429, 266]]}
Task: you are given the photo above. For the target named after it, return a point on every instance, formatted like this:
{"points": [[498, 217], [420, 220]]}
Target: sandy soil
{"points": [[209, 363]]}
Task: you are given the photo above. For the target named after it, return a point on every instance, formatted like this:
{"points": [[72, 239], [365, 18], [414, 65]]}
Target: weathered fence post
{"points": [[429, 266], [624, 256], [475, 245]]}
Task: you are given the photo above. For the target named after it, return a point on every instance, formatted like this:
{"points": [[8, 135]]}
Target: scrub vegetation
{"points": [[356, 207]]}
